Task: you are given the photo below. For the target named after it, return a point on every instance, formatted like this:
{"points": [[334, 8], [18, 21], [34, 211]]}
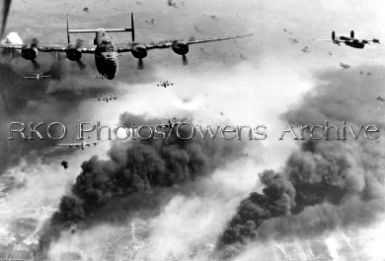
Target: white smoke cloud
{"points": [[12, 38]]}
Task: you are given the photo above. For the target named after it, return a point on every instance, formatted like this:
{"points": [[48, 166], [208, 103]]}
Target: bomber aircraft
{"points": [[37, 76], [79, 145], [106, 52], [107, 99], [352, 41], [165, 84]]}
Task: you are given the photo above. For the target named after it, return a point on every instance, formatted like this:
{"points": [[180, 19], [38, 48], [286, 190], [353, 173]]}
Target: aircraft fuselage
{"points": [[106, 55], [355, 44]]}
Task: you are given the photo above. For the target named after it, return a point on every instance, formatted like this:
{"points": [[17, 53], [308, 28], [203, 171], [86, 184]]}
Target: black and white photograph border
{"points": [[99, 99]]}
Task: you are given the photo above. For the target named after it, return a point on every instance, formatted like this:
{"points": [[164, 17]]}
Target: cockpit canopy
{"points": [[107, 46]]}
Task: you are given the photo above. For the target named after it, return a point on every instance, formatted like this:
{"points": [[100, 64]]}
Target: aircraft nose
{"points": [[110, 56]]}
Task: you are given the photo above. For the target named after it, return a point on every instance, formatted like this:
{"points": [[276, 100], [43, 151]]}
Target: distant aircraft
{"points": [[107, 99], [171, 3], [380, 99], [170, 124], [352, 41], [287, 31], [165, 84], [345, 66], [37, 76], [293, 40], [79, 145], [105, 51], [214, 17], [306, 49], [150, 22]]}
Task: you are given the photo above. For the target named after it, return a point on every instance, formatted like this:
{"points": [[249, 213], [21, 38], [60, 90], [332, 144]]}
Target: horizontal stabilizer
{"points": [[108, 30], [112, 30]]}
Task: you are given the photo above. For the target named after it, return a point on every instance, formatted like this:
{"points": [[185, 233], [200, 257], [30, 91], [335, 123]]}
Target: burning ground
{"points": [[325, 185], [138, 178]]}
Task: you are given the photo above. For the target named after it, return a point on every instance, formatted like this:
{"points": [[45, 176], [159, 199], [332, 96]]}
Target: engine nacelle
{"points": [[73, 54], [180, 47], [29, 52], [139, 51]]}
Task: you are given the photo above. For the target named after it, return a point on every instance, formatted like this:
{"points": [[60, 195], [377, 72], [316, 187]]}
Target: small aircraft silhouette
{"points": [[380, 99], [172, 3], [164, 84], [170, 124], [78, 145], [107, 99], [36, 76], [293, 40], [352, 41], [345, 66], [305, 49]]}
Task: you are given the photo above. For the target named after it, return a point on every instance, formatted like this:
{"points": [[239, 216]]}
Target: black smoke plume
{"points": [[324, 185], [54, 99], [138, 177]]}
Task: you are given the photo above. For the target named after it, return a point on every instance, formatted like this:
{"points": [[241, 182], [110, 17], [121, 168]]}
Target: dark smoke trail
{"points": [[324, 185], [6, 8]]}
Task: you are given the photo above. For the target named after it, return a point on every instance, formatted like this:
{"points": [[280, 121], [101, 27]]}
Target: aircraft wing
{"points": [[11, 46], [46, 48], [169, 43], [69, 144], [58, 49]]}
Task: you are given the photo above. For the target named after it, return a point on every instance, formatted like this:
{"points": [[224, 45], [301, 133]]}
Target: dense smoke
{"points": [[325, 184], [138, 177], [54, 99]]}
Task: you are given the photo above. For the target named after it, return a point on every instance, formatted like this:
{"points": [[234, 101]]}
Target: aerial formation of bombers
{"points": [[106, 52]]}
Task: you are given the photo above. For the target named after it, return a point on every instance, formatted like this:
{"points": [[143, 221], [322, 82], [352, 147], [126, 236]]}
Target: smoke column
{"points": [[324, 185]]}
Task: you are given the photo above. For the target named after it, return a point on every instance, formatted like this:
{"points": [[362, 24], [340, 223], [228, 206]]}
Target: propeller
{"points": [[34, 44], [184, 60], [81, 65], [35, 64], [78, 45], [140, 64]]}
